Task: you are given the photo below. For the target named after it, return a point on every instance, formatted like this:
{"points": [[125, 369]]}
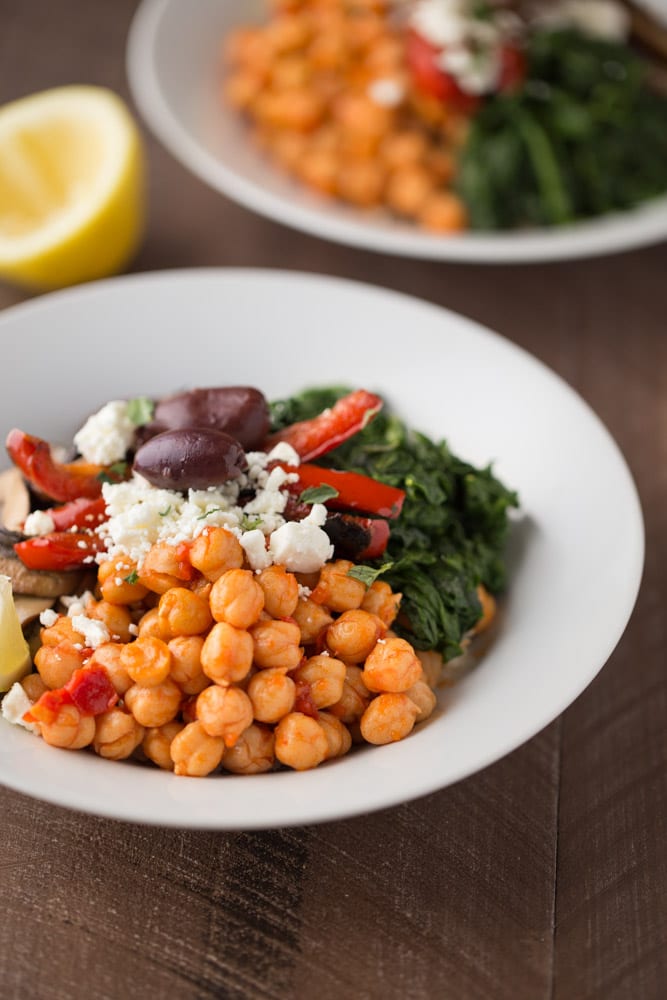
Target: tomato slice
{"points": [[311, 438], [59, 551]]}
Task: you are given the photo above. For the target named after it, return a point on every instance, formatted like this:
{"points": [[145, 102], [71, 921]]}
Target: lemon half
{"points": [[14, 653], [71, 187]]}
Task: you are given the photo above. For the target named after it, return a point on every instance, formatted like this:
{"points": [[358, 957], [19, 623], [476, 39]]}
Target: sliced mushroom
{"points": [[29, 608], [14, 499]]}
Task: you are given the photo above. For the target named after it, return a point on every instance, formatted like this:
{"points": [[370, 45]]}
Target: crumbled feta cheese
{"points": [[38, 523], [301, 546], [304, 592], [107, 435], [76, 604], [94, 632], [283, 452], [48, 618], [388, 92], [14, 706], [254, 546]]}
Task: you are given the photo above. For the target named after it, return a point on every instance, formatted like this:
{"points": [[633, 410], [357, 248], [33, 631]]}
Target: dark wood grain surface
{"points": [[543, 877]]}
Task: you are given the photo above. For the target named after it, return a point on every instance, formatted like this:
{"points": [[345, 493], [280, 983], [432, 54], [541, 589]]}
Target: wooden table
{"points": [[544, 876]]}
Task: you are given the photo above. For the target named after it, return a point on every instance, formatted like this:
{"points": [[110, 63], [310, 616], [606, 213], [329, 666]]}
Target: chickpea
{"points": [[241, 89], [164, 567], [116, 618], [403, 149], [276, 644], [432, 665], [62, 630], [352, 636], [338, 735], [336, 589], [215, 551], [357, 113], [318, 168], [237, 598], [300, 742], [328, 52], [224, 711], [391, 666], [157, 744], [70, 729], [380, 600], [325, 676], [424, 698], [108, 655], [194, 752], [290, 71], [354, 699], [443, 212], [488, 602], [186, 668], [252, 753], [408, 189], [361, 182], [288, 148], [34, 687], [272, 694], [56, 664], [151, 624], [388, 718], [154, 706], [300, 109], [226, 655], [184, 612], [286, 33], [281, 591], [311, 618], [117, 734], [115, 587], [147, 660]]}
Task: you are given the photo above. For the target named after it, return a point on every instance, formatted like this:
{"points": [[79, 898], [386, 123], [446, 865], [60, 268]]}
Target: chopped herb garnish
{"points": [[250, 523], [213, 510], [132, 577], [318, 494], [113, 473], [163, 513], [368, 574], [140, 410]]}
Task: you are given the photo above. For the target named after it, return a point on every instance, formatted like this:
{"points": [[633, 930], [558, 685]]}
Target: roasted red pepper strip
{"points": [[60, 481], [59, 551], [80, 513], [46, 707], [357, 538], [311, 438], [355, 492]]}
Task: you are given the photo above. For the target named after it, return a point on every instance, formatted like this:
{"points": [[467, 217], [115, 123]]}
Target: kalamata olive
{"points": [[238, 410], [192, 458]]}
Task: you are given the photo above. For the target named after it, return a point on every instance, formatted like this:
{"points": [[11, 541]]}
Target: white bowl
{"points": [[576, 551], [174, 67]]}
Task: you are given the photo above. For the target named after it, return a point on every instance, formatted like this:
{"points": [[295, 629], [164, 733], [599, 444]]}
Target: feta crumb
{"points": [[284, 452], [387, 92], [48, 618], [133, 629], [94, 632], [300, 546], [254, 545], [14, 706], [38, 523], [107, 435], [304, 591]]}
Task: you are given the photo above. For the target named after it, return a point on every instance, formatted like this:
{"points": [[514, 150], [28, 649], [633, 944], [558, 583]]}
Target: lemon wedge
{"points": [[71, 187], [14, 653]]}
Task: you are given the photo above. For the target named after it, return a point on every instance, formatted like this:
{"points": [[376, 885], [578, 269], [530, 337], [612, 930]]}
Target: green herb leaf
{"points": [[140, 410], [318, 494], [368, 574], [163, 513], [132, 577], [249, 523], [113, 473], [213, 510]]}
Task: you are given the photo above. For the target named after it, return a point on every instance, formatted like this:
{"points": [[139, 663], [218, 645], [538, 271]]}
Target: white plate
{"points": [[174, 68], [576, 554]]}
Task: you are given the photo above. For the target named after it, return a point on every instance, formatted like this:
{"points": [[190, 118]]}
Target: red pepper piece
{"points": [[311, 438], [303, 701], [60, 481], [355, 491], [91, 690], [79, 513], [357, 538], [59, 551], [431, 79], [46, 707]]}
